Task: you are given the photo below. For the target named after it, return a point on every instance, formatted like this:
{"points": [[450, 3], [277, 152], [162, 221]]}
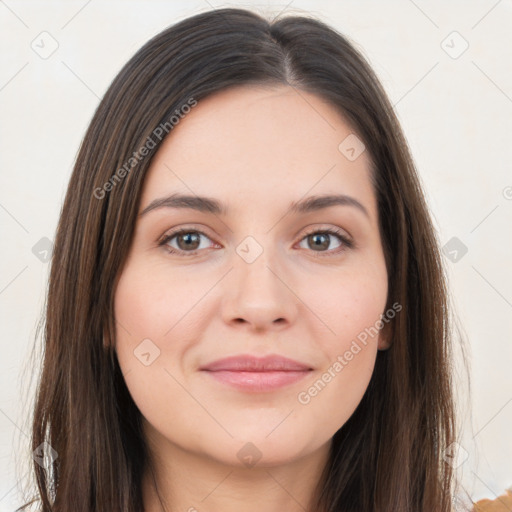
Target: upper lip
{"points": [[248, 363]]}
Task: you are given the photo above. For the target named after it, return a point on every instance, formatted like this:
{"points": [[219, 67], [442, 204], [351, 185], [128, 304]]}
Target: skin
{"points": [[256, 150]]}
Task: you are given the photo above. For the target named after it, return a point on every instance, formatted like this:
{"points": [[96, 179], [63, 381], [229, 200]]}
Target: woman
{"points": [[249, 311]]}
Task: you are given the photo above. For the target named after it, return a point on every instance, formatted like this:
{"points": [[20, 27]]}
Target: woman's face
{"points": [[253, 277]]}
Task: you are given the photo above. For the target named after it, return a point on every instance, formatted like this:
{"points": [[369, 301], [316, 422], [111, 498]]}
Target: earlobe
{"points": [[385, 338], [107, 343], [384, 343]]}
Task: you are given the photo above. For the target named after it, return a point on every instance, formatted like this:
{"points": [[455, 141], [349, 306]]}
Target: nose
{"points": [[257, 297]]}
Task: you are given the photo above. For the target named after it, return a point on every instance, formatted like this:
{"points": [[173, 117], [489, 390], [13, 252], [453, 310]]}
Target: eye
{"points": [[188, 241], [321, 239]]}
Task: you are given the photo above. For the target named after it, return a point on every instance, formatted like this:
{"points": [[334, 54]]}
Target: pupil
{"points": [[189, 239], [318, 243]]}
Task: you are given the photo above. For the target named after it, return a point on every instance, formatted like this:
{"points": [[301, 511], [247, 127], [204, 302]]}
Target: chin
{"points": [[260, 451]]}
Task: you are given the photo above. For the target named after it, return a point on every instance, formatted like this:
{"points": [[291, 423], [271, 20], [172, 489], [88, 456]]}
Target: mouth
{"points": [[254, 374]]}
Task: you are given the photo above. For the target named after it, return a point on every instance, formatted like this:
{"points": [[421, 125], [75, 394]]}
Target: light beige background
{"points": [[456, 111]]}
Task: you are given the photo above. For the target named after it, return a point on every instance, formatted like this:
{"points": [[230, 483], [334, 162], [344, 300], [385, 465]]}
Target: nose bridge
{"points": [[257, 293]]}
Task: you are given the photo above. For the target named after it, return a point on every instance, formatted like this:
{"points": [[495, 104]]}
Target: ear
{"points": [[107, 341], [385, 337]]}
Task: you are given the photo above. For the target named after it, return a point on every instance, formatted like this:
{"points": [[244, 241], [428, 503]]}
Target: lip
{"points": [[256, 374], [248, 363]]}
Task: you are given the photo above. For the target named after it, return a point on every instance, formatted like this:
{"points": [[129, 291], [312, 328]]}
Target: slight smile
{"points": [[255, 374]]}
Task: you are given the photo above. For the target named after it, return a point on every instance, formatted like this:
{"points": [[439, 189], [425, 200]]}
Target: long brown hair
{"points": [[388, 456]]}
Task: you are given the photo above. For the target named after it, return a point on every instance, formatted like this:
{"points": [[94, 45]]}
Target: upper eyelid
{"points": [[308, 229]]}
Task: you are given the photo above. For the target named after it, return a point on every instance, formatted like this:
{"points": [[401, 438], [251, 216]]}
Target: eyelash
{"points": [[346, 242]]}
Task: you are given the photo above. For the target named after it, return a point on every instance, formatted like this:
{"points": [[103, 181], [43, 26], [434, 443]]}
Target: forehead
{"points": [[260, 143]]}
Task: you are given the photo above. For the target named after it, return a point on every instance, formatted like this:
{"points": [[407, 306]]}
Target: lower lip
{"points": [[258, 381]]}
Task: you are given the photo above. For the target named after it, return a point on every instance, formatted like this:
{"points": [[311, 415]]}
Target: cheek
{"points": [[149, 301], [351, 307], [146, 307]]}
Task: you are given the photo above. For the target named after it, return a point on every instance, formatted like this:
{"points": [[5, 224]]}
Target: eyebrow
{"points": [[210, 205]]}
